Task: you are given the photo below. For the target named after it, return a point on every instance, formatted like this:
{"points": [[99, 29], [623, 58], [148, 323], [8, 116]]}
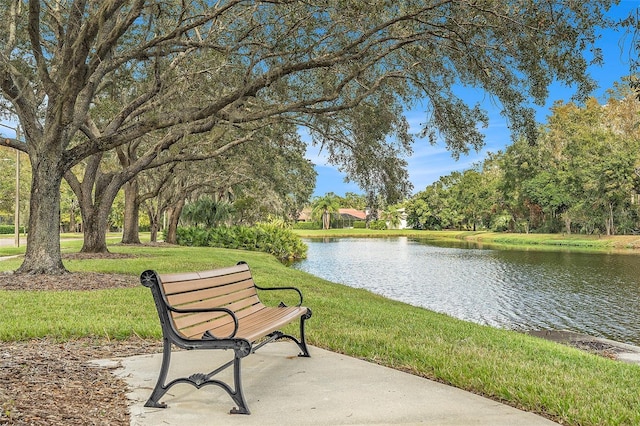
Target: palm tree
{"points": [[324, 207], [392, 216], [208, 212]]}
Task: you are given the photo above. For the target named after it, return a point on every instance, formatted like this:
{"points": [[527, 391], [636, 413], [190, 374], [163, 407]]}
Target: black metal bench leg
{"points": [[303, 340], [238, 395], [160, 388]]}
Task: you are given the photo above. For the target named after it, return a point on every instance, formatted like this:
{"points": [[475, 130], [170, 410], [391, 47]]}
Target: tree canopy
{"points": [[582, 176], [85, 77]]}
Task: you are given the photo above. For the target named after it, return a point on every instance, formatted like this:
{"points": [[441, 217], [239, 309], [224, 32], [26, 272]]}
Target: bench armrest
{"points": [[282, 288], [197, 310]]}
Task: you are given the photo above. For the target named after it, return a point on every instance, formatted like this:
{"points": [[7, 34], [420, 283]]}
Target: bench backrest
{"points": [[232, 288]]}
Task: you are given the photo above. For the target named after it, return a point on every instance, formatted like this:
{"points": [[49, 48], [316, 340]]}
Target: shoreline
{"points": [[619, 244], [607, 348]]}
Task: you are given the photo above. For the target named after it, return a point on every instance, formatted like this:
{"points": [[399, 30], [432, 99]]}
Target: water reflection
{"points": [[525, 290]]}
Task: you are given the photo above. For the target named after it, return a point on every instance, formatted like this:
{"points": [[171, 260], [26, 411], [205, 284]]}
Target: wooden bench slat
{"points": [[240, 267], [184, 321], [184, 286], [194, 327], [241, 308], [272, 319], [251, 320], [179, 276], [254, 326], [188, 276], [215, 296], [267, 316]]}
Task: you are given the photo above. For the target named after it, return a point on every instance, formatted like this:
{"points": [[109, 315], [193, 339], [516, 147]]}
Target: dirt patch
{"points": [[75, 281], [50, 383], [83, 256]]}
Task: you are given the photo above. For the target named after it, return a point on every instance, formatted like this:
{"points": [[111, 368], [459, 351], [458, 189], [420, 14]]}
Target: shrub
{"points": [[378, 225], [10, 229], [268, 238], [307, 225], [193, 237]]}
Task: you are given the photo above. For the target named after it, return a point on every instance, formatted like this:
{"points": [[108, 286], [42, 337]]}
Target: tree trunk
{"points": [[154, 232], [131, 230], [567, 224], [611, 230], [96, 194], [95, 230], [174, 216], [154, 227], [72, 220], [43, 255], [154, 224]]}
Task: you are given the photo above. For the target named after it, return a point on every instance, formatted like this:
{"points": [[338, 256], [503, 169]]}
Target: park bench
{"points": [[218, 309]]}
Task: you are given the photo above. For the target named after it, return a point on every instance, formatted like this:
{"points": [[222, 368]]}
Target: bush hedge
{"points": [[378, 225], [272, 239], [9, 229], [307, 225]]}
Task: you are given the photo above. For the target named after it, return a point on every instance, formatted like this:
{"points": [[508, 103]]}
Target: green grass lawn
{"points": [[565, 384]]}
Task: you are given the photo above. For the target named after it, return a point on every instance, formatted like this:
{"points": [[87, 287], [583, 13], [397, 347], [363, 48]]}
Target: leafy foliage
{"points": [[207, 212], [265, 237], [378, 225], [9, 229], [360, 224], [582, 176], [307, 225]]}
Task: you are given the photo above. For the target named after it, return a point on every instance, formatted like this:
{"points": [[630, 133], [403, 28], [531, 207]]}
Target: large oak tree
{"points": [[194, 66]]}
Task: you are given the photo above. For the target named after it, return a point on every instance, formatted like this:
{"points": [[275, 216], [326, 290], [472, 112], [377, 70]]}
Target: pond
{"points": [[591, 293]]}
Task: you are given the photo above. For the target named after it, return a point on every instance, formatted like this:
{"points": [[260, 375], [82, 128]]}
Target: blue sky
{"points": [[429, 162]]}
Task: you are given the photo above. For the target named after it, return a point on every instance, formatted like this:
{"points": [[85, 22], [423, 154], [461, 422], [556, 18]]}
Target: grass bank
{"points": [[565, 384], [620, 243]]}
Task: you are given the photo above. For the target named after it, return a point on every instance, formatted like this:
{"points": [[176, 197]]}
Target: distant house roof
{"points": [[348, 214], [305, 215], [358, 214]]}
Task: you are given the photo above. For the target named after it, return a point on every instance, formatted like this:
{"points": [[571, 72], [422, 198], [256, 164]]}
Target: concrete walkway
{"points": [[6, 241], [326, 389]]}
